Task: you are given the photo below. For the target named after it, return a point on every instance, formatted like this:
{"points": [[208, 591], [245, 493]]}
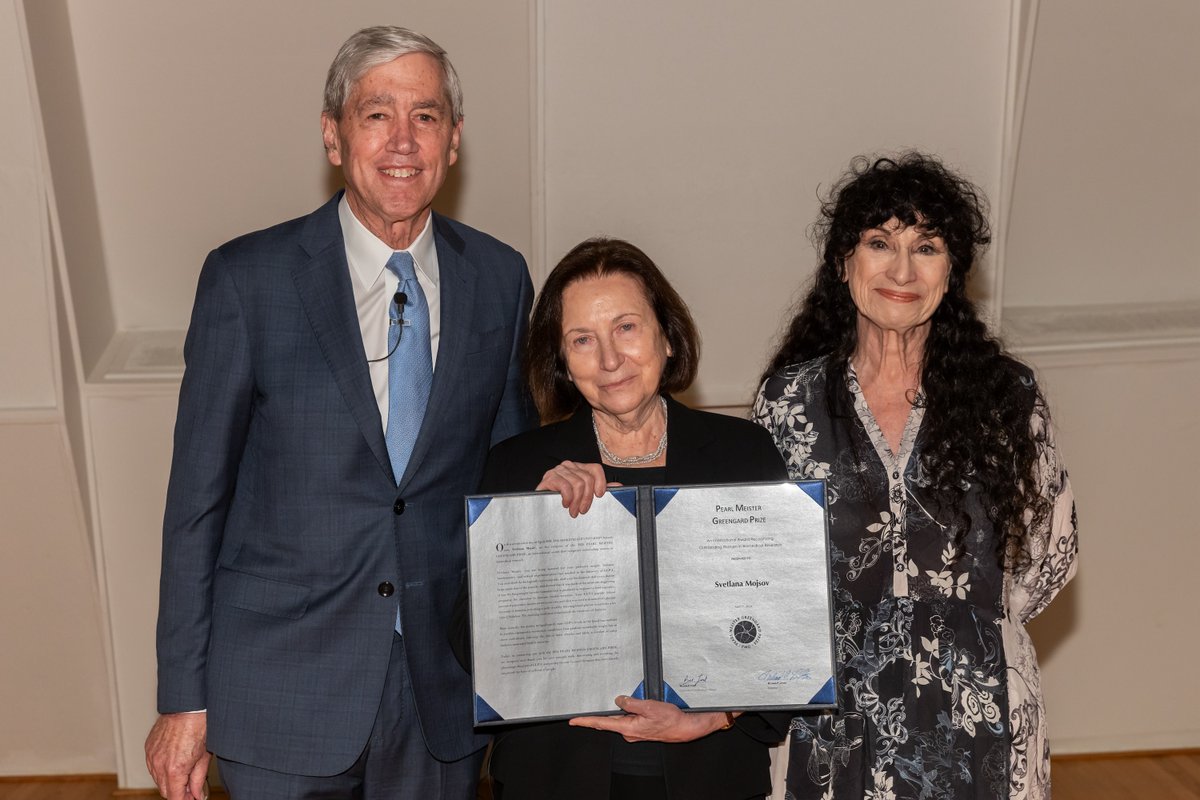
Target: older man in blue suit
{"points": [[346, 374]]}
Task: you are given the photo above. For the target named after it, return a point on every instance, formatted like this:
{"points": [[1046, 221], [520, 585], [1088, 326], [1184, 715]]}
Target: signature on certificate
{"points": [[784, 676], [692, 681]]}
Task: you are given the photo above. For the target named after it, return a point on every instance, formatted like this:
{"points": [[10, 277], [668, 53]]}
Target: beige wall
{"points": [[54, 690], [172, 127], [1117, 647], [203, 123], [27, 340], [702, 137], [1102, 289], [1108, 190]]}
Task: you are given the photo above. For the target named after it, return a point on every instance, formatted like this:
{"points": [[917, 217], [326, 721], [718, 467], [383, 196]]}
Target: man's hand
{"points": [[176, 755], [655, 721], [578, 484]]}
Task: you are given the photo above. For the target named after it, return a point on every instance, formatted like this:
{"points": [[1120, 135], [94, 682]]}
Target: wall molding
{"points": [[30, 416], [1064, 336], [1022, 25], [140, 357]]}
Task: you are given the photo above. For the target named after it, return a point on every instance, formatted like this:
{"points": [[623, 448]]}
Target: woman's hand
{"points": [[578, 484], [655, 721]]}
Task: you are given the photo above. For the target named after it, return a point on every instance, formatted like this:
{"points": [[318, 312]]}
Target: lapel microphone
{"points": [[401, 300]]}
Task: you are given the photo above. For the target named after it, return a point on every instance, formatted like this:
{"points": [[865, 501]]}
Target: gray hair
{"points": [[371, 47]]}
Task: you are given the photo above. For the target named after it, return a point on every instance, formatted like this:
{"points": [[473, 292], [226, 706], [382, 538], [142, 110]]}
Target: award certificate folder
{"points": [[709, 597]]}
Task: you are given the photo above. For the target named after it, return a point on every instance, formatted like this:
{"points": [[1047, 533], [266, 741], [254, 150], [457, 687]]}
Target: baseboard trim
{"points": [[1152, 743], [214, 794], [1179, 751], [91, 777]]}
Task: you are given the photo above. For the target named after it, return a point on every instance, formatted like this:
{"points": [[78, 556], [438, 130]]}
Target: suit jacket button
{"points": [[398, 507], [386, 589]]}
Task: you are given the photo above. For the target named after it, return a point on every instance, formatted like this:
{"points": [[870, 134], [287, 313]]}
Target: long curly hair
{"points": [[977, 399]]}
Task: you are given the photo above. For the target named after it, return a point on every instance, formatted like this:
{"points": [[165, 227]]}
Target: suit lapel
{"points": [[457, 281], [687, 439], [323, 283]]}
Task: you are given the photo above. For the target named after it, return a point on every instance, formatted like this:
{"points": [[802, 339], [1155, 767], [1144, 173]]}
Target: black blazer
{"points": [[554, 760]]}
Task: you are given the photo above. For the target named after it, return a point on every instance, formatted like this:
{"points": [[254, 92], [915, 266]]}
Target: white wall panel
{"points": [[203, 124], [27, 343], [53, 683], [701, 131], [1118, 647], [74, 205], [1107, 195], [129, 430]]}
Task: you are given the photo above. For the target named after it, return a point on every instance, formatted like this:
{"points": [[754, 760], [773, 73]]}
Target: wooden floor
{"points": [[1172, 776]]}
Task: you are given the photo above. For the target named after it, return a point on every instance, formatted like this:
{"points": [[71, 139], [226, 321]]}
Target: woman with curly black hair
{"points": [[952, 521]]}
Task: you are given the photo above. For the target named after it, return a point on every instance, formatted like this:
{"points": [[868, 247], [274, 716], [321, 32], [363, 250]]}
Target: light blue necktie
{"points": [[410, 365], [410, 368]]}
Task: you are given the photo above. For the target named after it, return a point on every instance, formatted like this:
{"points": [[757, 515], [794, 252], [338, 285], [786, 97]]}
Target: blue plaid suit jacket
{"points": [[283, 517]]}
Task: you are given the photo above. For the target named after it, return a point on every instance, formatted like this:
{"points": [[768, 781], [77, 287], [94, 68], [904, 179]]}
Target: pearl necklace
{"points": [[629, 461]]}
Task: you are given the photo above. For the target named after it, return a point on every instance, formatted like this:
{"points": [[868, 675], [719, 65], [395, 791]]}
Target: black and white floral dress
{"points": [[940, 696]]}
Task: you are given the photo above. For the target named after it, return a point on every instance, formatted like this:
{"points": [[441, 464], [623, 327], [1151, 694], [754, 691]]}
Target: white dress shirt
{"points": [[374, 286]]}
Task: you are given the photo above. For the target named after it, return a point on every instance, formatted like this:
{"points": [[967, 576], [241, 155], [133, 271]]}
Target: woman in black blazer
{"points": [[609, 340]]}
